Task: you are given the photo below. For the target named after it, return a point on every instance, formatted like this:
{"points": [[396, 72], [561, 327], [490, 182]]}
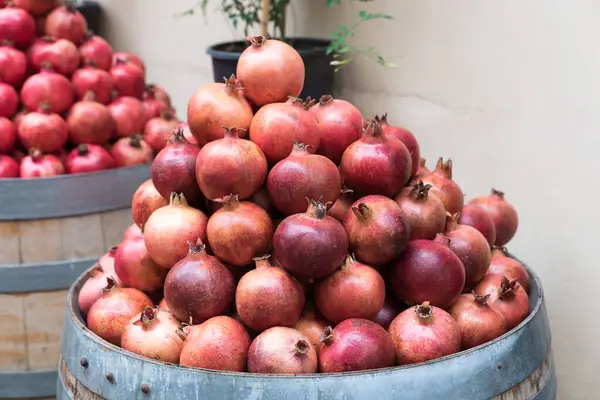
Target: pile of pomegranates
{"points": [[68, 104], [293, 237]]}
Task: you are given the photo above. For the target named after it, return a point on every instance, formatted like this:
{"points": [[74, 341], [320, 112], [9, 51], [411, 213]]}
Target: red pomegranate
{"points": [[9, 100], [340, 125], [271, 71], [199, 286], [425, 211], [153, 105], [159, 93], [62, 54], [170, 228], [129, 116], [376, 163], [48, 87], [479, 219], [146, 200], [355, 345], [136, 269], [88, 158], [132, 231], [9, 168], [131, 151], [65, 22], [302, 175], [407, 138], [239, 231], [387, 313], [503, 214], [310, 245], [378, 229], [95, 80], [424, 333], [276, 127], [507, 296], [479, 323], [282, 350], [8, 135], [16, 26], [36, 7], [90, 122], [220, 343], [230, 165], [111, 313], [427, 271], [96, 51], [43, 130], [130, 58], [38, 165], [311, 325], [342, 205], [356, 290], [128, 79], [13, 65], [502, 264], [444, 187], [93, 287]]}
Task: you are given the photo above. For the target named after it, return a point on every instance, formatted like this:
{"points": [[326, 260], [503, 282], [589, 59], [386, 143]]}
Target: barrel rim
{"points": [[75, 316]]}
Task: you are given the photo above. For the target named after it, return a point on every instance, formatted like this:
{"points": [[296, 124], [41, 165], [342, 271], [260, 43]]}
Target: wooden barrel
{"points": [[518, 365], [51, 231]]}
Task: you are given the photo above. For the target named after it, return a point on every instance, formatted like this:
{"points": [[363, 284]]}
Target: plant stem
{"points": [[264, 19]]}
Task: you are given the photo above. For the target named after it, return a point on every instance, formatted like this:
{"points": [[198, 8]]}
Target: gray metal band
{"points": [[479, 373], [70, 195], [28, 384], [49, 276], [548, 391]]}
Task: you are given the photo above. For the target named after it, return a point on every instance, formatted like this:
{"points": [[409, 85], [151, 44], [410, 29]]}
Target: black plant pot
{"points": [[92, 12], [319, 72]]}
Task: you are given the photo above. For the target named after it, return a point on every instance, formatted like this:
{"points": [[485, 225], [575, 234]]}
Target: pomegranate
{"points": [[478, 322], [128, 79], [88, 158], [310, 245], [387, 313], [262, 199], [95, 50], [146, 200], [230, 165], [271, 71], [132, 232], [93, 287], [302, 175], [90, 122], [13, 64], [378, 229], [428, 271], [479, 219], [504, 215], [65, 22], [424, 333], [219, 343], [43, 130], [95, 80], [153, 334], [17, 26], [376, 163], [502, 264], [187, 133], [354, 291], [174, 167], [425, 211], [129, 58], [268, 296], [47, 87], [8, 135], [38, 165], [153, 106], [169, 229], [276, 127], [131, 151], [9, 168], [61, 154], [355, 345], [17, 155], [311, 324], [135, 267], [199, 286], [340, 125], [108, 261], [407, 138], [111, 313], [506, 297], [62, 54], [444, 187], [239, 231], [159, 93], [342, 205], [9, 100], [129, 116], [36, 7], [282, 350]]}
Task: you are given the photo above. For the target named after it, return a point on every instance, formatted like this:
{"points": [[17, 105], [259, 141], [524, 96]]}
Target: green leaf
{"points": [[331, 3], [367, 16]]}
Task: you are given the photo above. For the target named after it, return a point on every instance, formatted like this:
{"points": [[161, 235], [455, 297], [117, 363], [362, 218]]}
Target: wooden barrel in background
{"points": [[51, 231], [517, 366]]}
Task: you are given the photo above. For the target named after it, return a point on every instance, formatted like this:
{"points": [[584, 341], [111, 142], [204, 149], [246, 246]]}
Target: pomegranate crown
{"points": [[420, 190], [197, 248], [444, 168], [233, 83], [256, 40], [497, 193], [316, 208], [508, 288], [233, 131], [424, 310]]}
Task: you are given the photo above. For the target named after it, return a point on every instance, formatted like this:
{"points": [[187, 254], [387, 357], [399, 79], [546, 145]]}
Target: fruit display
{"points": [[301, 238], [68, 104]]}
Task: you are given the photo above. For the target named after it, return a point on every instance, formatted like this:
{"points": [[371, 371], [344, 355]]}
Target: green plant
{"points": [[246, 14]]}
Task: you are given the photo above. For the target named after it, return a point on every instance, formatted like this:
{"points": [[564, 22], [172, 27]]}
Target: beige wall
{"points": [[509, 89]]}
